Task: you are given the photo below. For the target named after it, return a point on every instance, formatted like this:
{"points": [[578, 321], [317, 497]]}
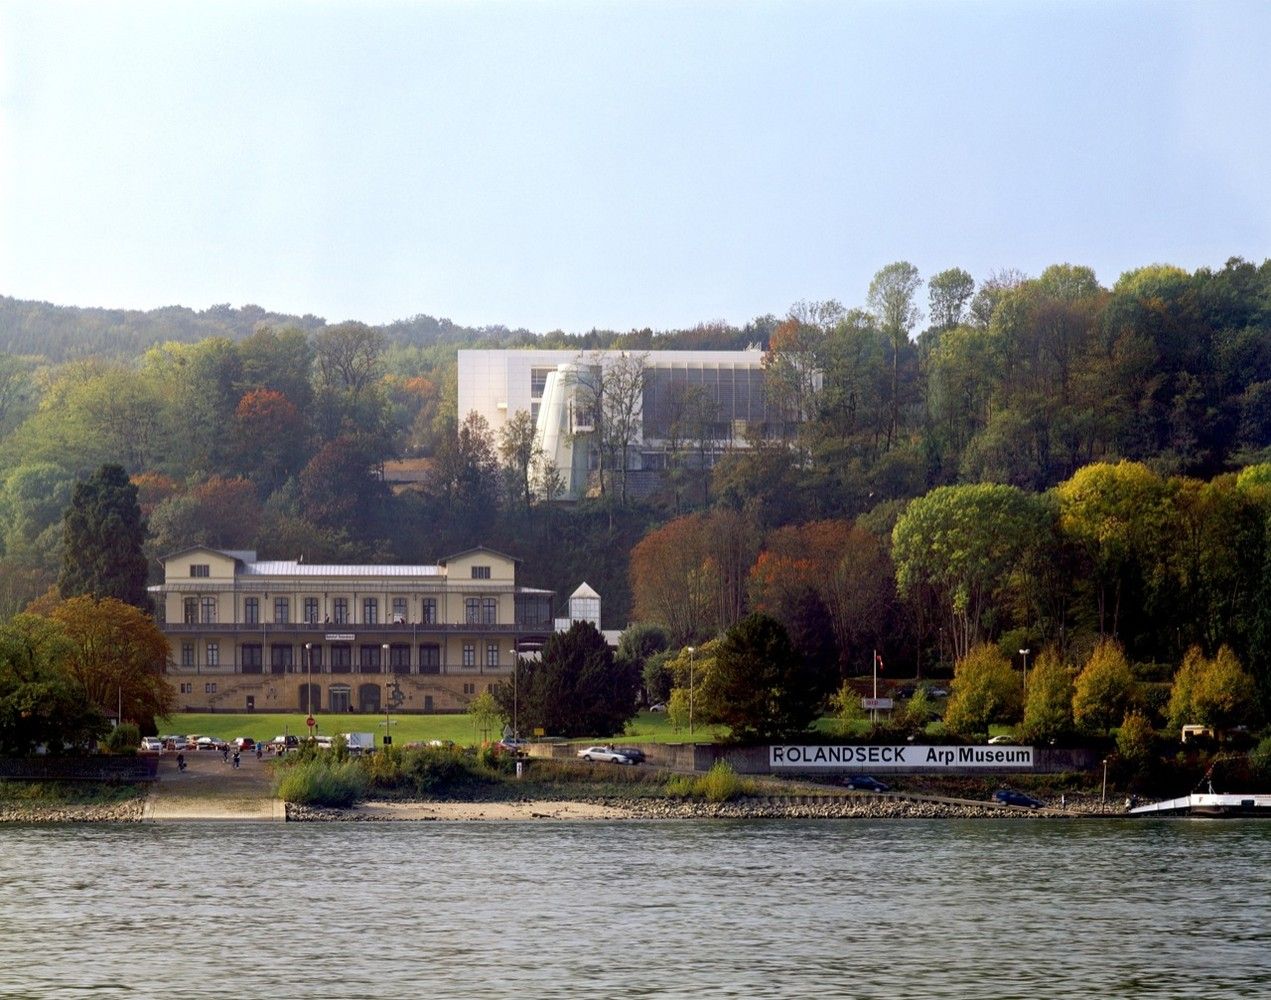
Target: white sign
{"points": [[890, 758], [886, 703], [339, 637]]}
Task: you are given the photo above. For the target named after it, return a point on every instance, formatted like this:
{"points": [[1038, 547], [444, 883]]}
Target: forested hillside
{"points": [[249, 430]]}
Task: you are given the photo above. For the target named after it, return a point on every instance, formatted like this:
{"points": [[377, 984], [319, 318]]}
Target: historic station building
{"points": [[292, 636]]}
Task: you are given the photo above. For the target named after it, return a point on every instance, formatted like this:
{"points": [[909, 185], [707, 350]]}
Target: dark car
{"points": [[635, 753], [1010, 797], [866, 783]]}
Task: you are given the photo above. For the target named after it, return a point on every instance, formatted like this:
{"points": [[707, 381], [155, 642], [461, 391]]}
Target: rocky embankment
{"points": [[759, 807], [119, 812]]}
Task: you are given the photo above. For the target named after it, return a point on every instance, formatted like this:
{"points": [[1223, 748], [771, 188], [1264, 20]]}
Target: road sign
{"points": [[309, 722], [884, 703]]}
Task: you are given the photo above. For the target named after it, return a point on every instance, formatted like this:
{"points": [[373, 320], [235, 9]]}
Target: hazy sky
{"points": [[616, 165]]}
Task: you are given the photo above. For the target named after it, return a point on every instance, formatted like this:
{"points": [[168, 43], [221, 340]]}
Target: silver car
{"points": [[605, 753]]}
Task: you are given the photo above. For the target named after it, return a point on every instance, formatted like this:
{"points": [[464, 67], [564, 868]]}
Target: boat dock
{"points": [[1208, 804]]}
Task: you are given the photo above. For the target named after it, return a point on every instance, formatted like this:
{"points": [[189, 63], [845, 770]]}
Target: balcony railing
{"points": [[309, 631]]}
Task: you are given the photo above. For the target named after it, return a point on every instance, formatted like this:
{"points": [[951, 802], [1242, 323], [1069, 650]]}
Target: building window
{"points": [[341, 659], [213, 654], [251, 611], [191, 610], [430, 611], [207, 611], [399, 610], [491, 654], [370, 611], [200, 569], [469, 654], [311, 611], [472, 611], [251, 657], [399, 659], [369, 660], [187, 654], [314, 655], [480, 572], [280, 659], [187, 688], [489, 611], [340, 609], [209, 688], [282, 610], [430, 659], [469, 689]]}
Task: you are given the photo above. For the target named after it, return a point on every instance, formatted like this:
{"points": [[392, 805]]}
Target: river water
{"points": [[992, 909]]}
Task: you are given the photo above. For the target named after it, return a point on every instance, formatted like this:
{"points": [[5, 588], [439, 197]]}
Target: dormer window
{"points": [[200, 569], [480, 572]]}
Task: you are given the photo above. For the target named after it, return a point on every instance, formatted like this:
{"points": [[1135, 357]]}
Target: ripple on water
{"points": [[698, 909]]}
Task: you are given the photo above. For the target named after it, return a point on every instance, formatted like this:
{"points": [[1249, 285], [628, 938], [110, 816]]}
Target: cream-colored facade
{"points": [[249, 635]]}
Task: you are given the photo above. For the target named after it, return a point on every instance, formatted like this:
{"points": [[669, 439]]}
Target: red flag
{"points": [[878, 662]]}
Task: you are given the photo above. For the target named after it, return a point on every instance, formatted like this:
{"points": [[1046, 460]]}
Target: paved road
{"points": [[210, 789]]}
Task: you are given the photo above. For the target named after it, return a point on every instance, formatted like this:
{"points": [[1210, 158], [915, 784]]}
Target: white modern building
{"points": [[699, 402]]}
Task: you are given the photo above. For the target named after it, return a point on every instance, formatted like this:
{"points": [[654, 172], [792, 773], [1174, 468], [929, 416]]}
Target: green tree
{"points": [[637, 645], [574, 689], [760, 687], [891, 300], [486, 714], [1136, 740], [103, 535], [984, 691], [949, 293], [962, 544], [1103, 690], [40, 702], [846, 709], [1225, 697], [1048, 707]]}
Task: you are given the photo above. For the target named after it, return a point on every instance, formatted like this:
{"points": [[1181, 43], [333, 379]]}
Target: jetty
{"points": [[1214, 804]]}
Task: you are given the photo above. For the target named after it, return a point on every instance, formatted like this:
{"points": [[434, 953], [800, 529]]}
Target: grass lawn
{"points": [[647, 727]]}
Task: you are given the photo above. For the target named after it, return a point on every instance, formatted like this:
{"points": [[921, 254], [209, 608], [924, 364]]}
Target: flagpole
{"points": [[873, 712]]}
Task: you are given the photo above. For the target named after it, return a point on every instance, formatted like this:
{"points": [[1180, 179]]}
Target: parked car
{"points": [[658, 707], [605, 753], [1010, 797], [635, 753], [866, 783], [175, 743], [210, 743], [151, 744], [244, 743], [515, 745], [998, 740], [281, 744]]}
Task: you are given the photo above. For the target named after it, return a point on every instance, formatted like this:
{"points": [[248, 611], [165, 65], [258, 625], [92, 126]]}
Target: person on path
{"points": [[260, 754], [236, 758], [180, 762], [224, 755]]}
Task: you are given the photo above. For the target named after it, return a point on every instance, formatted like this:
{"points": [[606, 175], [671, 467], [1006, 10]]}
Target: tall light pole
{"points": [[1024, 653], [516, 673], [1103, 797], [309, 683], [691, 651], [388, 739]]}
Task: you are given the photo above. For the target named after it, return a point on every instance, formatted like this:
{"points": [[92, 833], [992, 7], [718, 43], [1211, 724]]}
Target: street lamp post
{"points": [[516, 679], [1024, 653], [1103, 797], [309, 683], [388, 739], [691, 651]]}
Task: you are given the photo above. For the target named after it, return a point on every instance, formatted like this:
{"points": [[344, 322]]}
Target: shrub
{"points": [[719, 784], [320, 783], [1260, 759], [124, 739]]}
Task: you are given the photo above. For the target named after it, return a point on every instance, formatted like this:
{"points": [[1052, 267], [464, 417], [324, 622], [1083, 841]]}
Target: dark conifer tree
{"points": [[102, 535]]}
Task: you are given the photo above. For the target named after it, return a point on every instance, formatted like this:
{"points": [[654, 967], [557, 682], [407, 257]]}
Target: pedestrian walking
{"points": [[225, 755], [236, 758]]}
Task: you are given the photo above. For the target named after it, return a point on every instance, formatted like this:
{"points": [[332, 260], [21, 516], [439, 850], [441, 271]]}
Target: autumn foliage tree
{"points": [[117, 655], [984, 691], [1103, 690]]}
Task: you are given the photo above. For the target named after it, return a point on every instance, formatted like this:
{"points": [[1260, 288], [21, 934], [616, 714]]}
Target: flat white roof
{"points": [[293, 568]]}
